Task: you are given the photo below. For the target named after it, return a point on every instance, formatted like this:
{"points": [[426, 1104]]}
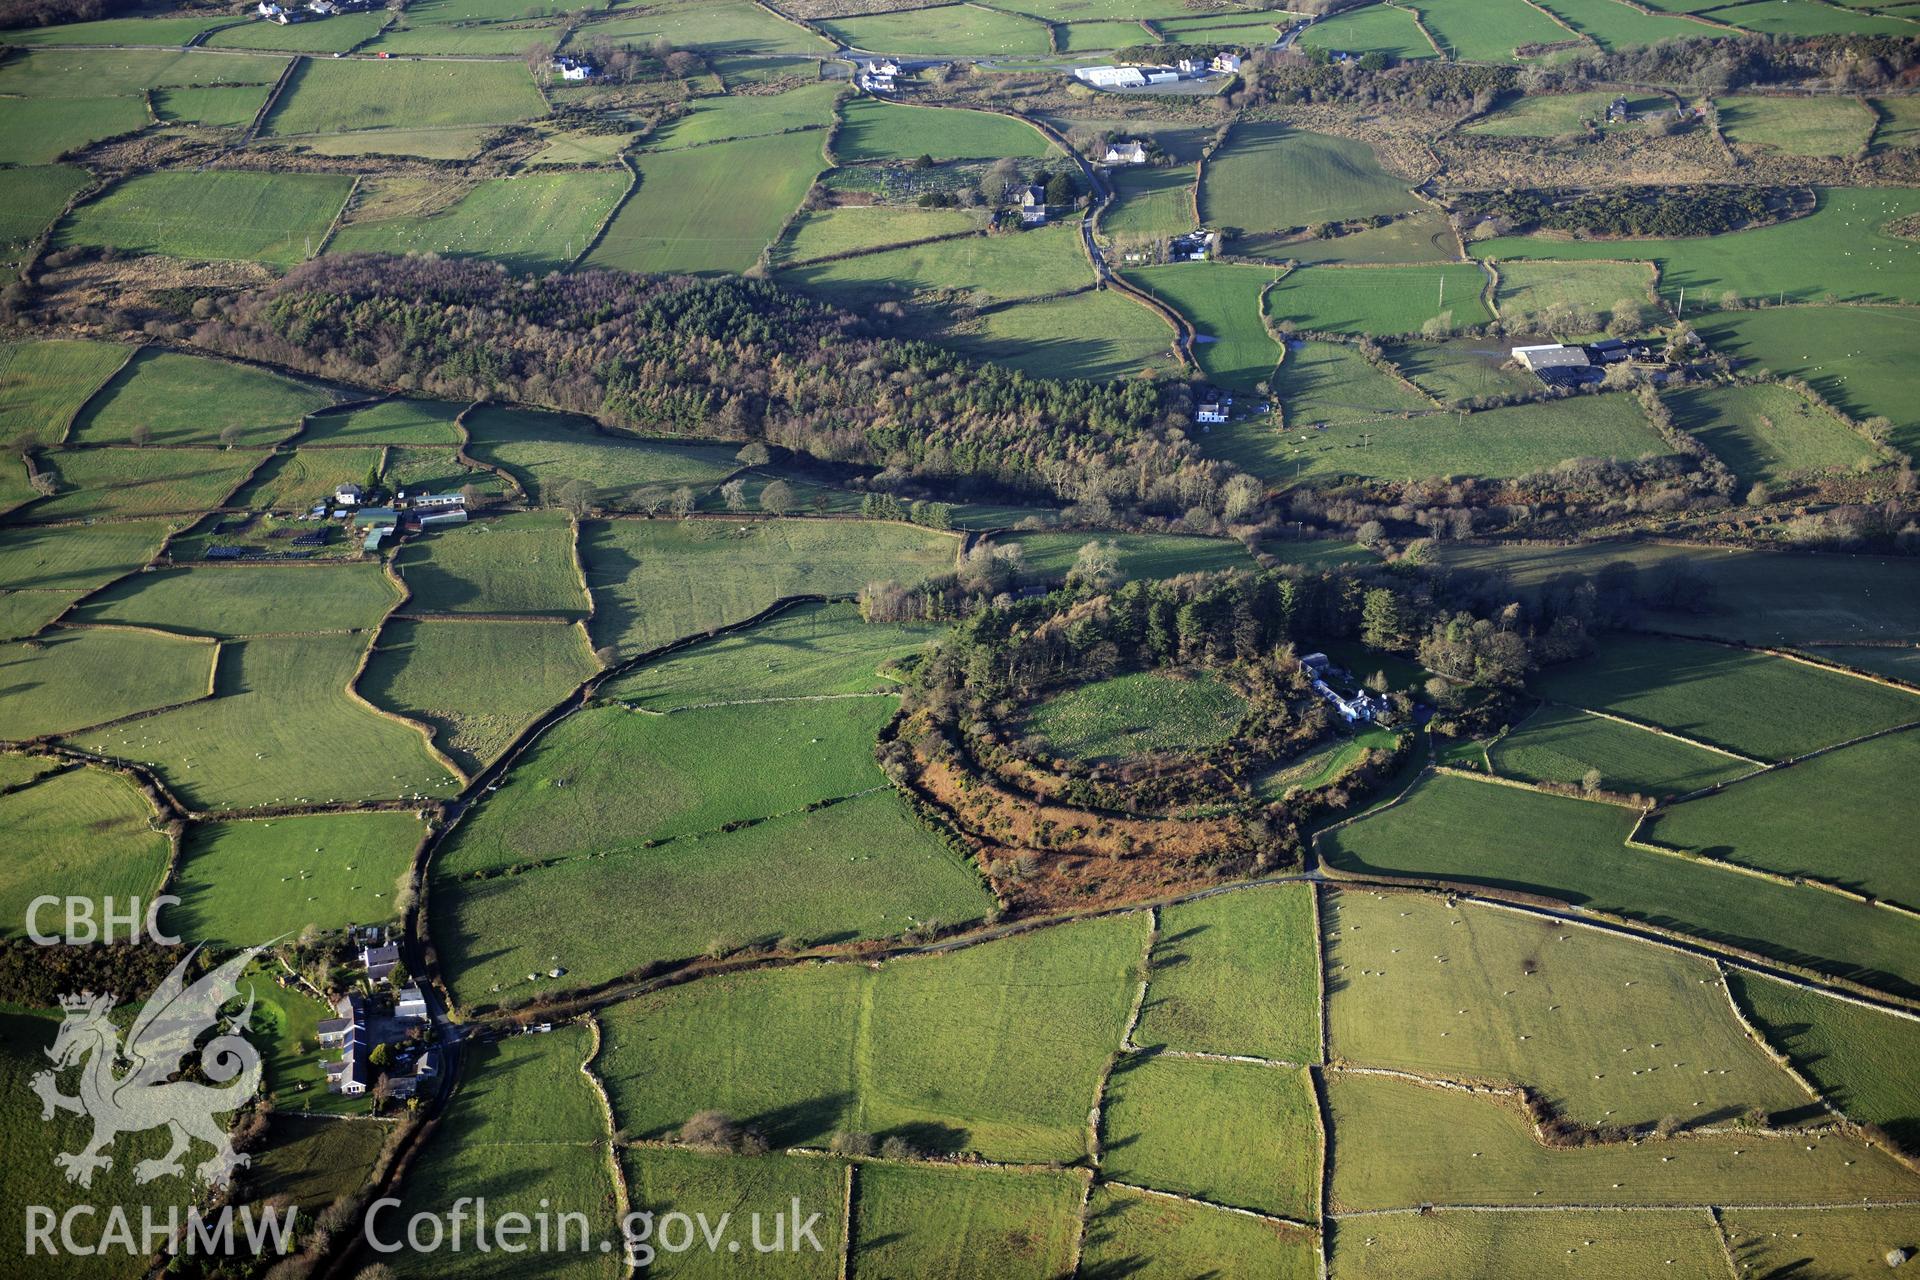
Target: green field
{"points": [[1790, 18], [661, 1180], [1761, 706], [190, 400], [89, 74], [84, 833], [315, 1162], [279, 219], [242, 883], [719, 119], [1131, 1233], [692, 213], [1236, 974], [71, 679], [986, 268], [325, 96], [1575, 851], [1423, 236], [41, 130], [1139, 714], [1548, 296], [294, 482], [337, 34], [1800, 126], [1448, 1245], [1849, 1243], [33, 199], [43, 384], [923, 1048], [1842, 252], [69, 558], [1612, 25], [1837, 817], [655, 581], [456, 39], [148, 31], [528, 223], [247, 600], [942, 30], [1227, 1132], [478, 684], [1381, 300], [221, 107], [825, 232], [708, 25], [1902, 663], [1854, 1055], [1047, 557], [964, 1224], [1097, 335], [22, 613], [1573, 1012], [1487, 30], [518, 564], [403, 422], [1899, 122], [1553, 115], [1389, 30], [436, 142], [872, 129], [1461, 370], [1223, 302], [1857, 358], [1271, 178], [280, 729], [544, 450], [1767, 432], [96, 483], [1332, 382], [1150, 202], [1561, 744]]}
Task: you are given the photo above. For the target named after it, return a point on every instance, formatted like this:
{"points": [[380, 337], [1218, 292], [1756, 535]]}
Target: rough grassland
{"points": [[71, 557], [1799, 126], [42, 384], [1860, 1059], [960, 1224], [315, 1162], [692, 213], [87, 833], [1761, 706], [405, 422], [930, 1057], [828, 231], [1398, 1143], [1138, 714], [1529, 289], [545, 450], [1575, 851], [280, 730], [242, 883], [1379, 300], [1766, 432], [1132, 1234], [1096, 335], [71, 679], [186, 400], [808, 651], [1222, 301], [655, 581], [1560, 744], [243, 600], [1845, 1244], [330, 97], [279, 219], [528, 223], [1273, 178], [1047, 557], [1844, 817], [1515, 999], [1227, 1132], [1237, 974], [1549, 115], [518, 564], [749, 116], [664, 1181], [477, 683], [1457, 1245], [876, 130]]}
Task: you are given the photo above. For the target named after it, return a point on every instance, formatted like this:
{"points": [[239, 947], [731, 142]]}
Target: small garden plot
{"points": [[183, 400], [1858, 358], [147, 31], [70, 679], [662, 1181], [529, 223], [875, 130], [1794, 18], [338, 34], [574, 793], [96, 73], [70, 557], [848, 228], [1574, 298], [1565, 745], [1223, 302], [1765, 707], [296, 481], [33, 198], [1383, 301], [929, 1060], [1574, 851], [247, 600], [84, 833], [1613, 25], [241, 883], [655, 581], [1857, 1057], [1098, 335], [1553, 115], [1270, 178], [281, 728], [546, 451], [1767, 433], [1798, 126], [478, 684], [41, 130], [226, 107], [1899, 121], [517, 564], [285, 1025], [859, 868], [693, 212], [43, 384], [749, 115], [1332, 382], [1829, 1242], [1229, 1133], [1839, 817], [336, 97], [1461, 370], [1379, 29], [108, 483], [812, 650], [1609, 1030], [1138, 714], [1399, 1143], [1137, 1234], [967, 1224], [399, 422], [1441, 1246], [275, 218], [943, 30], [1149, 203], [1841, 252], [313, 1162], [982, 268], [733, 26], [1487, 30], [1236, 974], [1047, 557]]}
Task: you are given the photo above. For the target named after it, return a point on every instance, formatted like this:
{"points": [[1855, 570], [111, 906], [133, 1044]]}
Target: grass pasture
{"points": [[88, 833], [1560, 744], [873, 129], [43, 384], [1612, 25], [1271, 178], [519, 564], [326, 96], [1151, 1237], [692, 214], [71, 679], [941, 30], [221, 107], [246, 600], [1899, 123], [192, 400], [1098, 335], [1459, 369], [295, 481], [966, 1224], [1332, 382], [478, 684], [1424, 236], [1448, 1245], [92, 73], [825, 232], [42, 130], [662, 1181], [1766, 432], [1222, 300], [752, 115], [338, 34], [1048, 557], [278, 219], [1791, 18], [436, 142], [991, 269], [1553, 115], [1854, 1055], [1799, 126], [528, 223], [544, 450], [1529, 291], [114, 31], [1487, 30], [1150, 202], [33, 199], [22, 613], [69, 558], [1138, 714], [1380, 300], [1381, 28], [734, 26], [1846, 1244], [97, 483], [1236, 974]]}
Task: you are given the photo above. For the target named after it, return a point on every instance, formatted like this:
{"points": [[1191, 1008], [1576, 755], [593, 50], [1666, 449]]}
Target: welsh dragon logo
{"points": [[145, 1095]]}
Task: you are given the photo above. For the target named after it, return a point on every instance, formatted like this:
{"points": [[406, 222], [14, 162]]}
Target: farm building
{"points": [[1618, 112], [348, 495], [374, 538], [1131, 151], [439, 502], [1111, 77], [1557, 364], [1361, 708], [438, 519], [375, 518], [1033, 206], [380, 961]]}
